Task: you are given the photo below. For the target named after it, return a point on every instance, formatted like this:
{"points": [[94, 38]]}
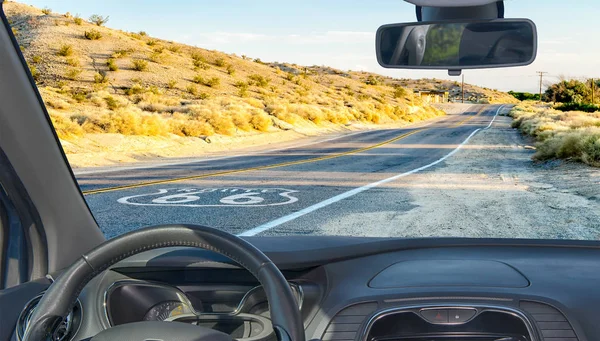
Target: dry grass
{"points": [[190, 91], [565, 135]]}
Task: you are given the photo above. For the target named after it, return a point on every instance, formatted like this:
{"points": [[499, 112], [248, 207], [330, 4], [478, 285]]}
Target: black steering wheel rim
{"points": [[62, 294]]}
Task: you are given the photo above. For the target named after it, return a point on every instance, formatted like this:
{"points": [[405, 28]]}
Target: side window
{"points": [[22, 243]]}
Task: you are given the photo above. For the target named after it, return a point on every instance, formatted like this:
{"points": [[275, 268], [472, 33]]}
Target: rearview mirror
{"points": [[457, 45]]}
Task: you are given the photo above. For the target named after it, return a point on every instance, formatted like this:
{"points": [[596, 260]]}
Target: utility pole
{"points": [[593, 89], [463, 88], [541, 73]]}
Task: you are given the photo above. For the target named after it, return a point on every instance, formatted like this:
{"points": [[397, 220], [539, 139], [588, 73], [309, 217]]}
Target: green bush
{"points": [[98, 19], [46, 10], [139, 65], [524, 96], [73, 62], [100, 77], [220, 62], [230, 70], [92, 35], [65, 50], [34, 73], [112, 103], [577, 107], [73, 73], [112, 64], [77, 20], [259, 80], [192, 89], [171, 84], [211, 82], [399, 92], [120, 54], [372, 80]]}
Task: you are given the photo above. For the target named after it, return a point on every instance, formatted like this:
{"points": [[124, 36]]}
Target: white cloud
{"points": [[349, 37], [230, 37], [332, 37]]}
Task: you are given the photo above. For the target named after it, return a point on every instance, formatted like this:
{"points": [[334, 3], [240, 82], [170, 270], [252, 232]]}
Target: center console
{"points": [[448, 323]]}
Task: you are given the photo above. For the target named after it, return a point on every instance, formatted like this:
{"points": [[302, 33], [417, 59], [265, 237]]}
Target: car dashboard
{"points": [[361, 290]]}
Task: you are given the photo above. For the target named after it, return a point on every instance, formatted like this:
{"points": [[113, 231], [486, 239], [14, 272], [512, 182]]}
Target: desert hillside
{"points": [[98, 80]]}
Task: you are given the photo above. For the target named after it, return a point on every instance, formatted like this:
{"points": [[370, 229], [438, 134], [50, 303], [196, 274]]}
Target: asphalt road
{"points": [[290, 191]]}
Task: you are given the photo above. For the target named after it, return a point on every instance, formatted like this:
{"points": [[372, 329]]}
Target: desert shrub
{"points": [[261, 121], [111, 63], [134, 90], [46, 10], [210, 82], [77, 20], [79, 96], [372, 80], [230, 70], [157, 57], [36, 59], [73, 62], [567, 135], [192, 89], [143, 33], [573, 106], [112, 103], [174, 48], [92, 35], [203, 95], [35, 74], [139, 65], [73, 73], [98, 19], [151, 42], [220, 62], [399, 92], [120, 54], [199, 61], [65, 127], [65, 50], [172, 84], [100, 78], [259, 80]]}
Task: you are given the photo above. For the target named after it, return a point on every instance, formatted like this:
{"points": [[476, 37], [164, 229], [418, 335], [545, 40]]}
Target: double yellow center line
{"points": [[277, 165]]}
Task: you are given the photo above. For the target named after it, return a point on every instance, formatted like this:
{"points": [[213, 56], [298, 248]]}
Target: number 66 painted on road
{"points": [[187, 197]]}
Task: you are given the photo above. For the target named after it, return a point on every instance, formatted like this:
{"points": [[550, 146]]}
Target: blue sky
{"points": [[340, 33]]}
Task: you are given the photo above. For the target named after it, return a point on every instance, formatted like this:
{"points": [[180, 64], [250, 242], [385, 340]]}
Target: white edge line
{"points": [[309, 209]]}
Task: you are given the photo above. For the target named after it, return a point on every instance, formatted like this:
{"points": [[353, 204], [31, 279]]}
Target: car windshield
{"points": [[274, 118]]}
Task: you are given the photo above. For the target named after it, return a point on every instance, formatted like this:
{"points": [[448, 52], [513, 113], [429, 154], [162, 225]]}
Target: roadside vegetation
{"points": [[573, 135], [97, 80]]}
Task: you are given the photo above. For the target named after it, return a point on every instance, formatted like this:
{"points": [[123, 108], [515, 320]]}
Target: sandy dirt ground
{"points": [[490, 188]]}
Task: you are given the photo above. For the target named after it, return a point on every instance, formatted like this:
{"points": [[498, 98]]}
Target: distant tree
{"points": [[524, 96], [98, 19], [568, 91]]}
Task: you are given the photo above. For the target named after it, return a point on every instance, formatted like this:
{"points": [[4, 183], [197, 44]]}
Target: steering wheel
{"points": [[62, 294]]}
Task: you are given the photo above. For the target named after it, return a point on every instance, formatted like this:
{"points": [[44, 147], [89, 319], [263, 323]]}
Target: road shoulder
{"points": [[490, 188]]}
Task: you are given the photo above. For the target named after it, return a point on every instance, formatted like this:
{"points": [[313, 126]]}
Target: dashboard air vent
{"points": [[552, 323], [346, 324]]}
